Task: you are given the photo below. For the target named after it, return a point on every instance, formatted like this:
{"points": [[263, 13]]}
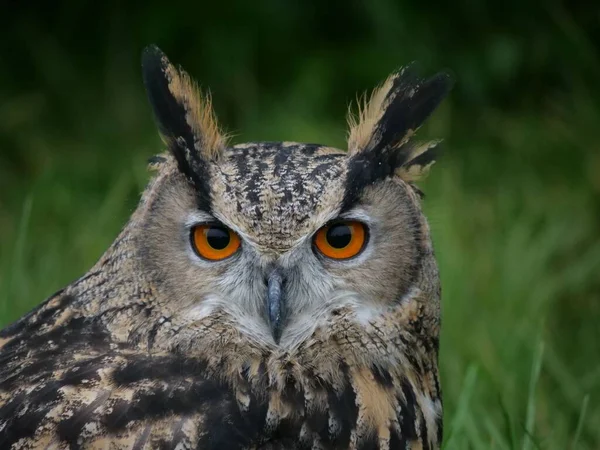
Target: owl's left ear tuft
{"points": [[182, 113], [185, 119]]}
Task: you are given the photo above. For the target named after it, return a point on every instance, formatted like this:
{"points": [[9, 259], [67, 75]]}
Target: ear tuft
{"points": [[379, 142], [185, 120], [395, 110], [180, 110]]}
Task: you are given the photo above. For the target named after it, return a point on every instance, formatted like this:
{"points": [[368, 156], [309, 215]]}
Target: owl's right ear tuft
{"points": [[390, 117], [380, 139], [184, 117]]}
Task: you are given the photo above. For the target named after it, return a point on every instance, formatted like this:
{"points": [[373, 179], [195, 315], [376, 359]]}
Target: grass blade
{"points": [[462, 408], [530, 417], [580, 422]]}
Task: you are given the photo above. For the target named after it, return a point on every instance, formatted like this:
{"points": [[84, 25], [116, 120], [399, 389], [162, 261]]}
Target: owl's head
{"points": [[283, 241]]}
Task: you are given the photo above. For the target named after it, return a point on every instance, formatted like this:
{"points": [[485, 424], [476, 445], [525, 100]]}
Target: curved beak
{"points": [[275, 302]]}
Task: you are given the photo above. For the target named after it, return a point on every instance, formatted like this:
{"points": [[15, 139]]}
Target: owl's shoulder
{"points": [[64, 378]]}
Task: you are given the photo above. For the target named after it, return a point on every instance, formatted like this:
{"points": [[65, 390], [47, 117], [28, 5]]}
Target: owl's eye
{"points": [[341, 240], [214, 242]]}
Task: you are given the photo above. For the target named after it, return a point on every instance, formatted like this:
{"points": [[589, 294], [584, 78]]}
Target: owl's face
{"points": [[277, 249], [283, 238]]}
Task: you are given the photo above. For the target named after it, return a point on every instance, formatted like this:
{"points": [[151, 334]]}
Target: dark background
{"points": [[514, 203]]}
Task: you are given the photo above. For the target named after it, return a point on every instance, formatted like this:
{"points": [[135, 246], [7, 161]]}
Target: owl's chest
{"points": [[360, 413]]}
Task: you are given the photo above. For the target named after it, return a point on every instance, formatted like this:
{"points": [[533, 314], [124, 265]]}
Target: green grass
{"points": [[513, 205]]}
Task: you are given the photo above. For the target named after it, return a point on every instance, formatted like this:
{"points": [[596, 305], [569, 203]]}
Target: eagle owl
{"points": [[266, 295]]}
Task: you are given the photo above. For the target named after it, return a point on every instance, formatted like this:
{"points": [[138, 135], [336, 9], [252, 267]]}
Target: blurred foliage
{"points": [[514, 204]]}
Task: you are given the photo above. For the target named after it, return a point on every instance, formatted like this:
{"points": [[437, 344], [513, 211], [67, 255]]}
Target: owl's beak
{"points": [[274, 302]]}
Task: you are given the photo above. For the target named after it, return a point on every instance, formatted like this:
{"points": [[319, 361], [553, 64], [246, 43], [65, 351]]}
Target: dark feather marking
{"points": [[412, 102], [183, 398], [23, 426], [39, 402], [163, 444], [245, 373], [253, 420], [62, 338], [46, 393], [140, 442], [293, 394], [10, 408], [170, 116], [397, 442], [68, 430], [118, 418], [263, 377], [317, 418], [382, 376], [158, 368], [239, 428], [287, 433], [30, 373], [407, 419], [423, 432], [439, 422], [365, 169], [19, 426], [85, 371], [368, 442], [343, 408], [225, 426]]}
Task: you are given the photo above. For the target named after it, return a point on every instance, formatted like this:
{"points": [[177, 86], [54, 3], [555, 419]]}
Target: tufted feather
{"points": [[185, 119], [180, 109], [395, 111], [379, 142]]}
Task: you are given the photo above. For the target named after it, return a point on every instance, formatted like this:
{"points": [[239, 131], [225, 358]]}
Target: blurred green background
{"points": [[514, 204]]}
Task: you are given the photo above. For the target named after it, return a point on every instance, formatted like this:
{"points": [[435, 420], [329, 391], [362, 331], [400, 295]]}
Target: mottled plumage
{"points": [[274, 347]]}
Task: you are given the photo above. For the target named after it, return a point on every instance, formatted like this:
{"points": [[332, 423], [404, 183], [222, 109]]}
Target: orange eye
{"points": [[214, 242], [341, 240]]}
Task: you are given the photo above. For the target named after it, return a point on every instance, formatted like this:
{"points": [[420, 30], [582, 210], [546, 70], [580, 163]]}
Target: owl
{"points": [[266, 295]]}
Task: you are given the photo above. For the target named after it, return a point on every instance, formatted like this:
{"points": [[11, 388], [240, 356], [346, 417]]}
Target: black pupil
{"points": [[339, 235], [217, 237]]}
